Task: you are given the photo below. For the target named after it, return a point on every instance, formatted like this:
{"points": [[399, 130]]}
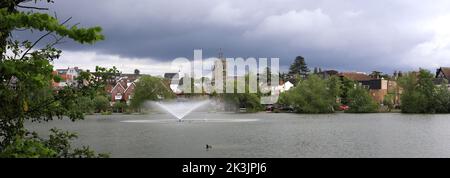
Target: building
{"points": [[68, 76], [122, 88], [219, 69], [283, 87], [378, 87], [443, 76], [355, 76]]}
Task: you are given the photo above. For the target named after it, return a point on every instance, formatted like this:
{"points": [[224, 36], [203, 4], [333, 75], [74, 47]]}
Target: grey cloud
{"points": [[345, 35]]}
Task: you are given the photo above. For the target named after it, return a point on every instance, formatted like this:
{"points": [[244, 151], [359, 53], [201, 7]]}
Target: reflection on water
{"points": [[263, 135]]}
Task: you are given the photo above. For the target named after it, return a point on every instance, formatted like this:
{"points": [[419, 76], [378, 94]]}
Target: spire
{"points": [[220, 53]]}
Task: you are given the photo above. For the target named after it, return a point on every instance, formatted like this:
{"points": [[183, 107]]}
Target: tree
{"points": [[150, 88], [26, 72], [442, 99], [360, 101], [101, 103], [427, 88], [85, 104], [299, 67], [56, 146], [388, 101], [311, 96], [418, 92], [334, 86], [119, 107], [410, 96], [346, 86], [136, 71], [248, 100], [376, 74]]}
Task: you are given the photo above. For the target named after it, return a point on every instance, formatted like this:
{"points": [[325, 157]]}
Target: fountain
{"points": [[180, 109]]}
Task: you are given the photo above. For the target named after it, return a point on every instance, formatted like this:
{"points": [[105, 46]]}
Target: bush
{"points": [[388, 101], [58, 145], [120, 107], [150, 88], [27, 148], [420, 95], [106, 113], [442, 99], [85, 104], [360, 101], [312, 95], [250, 101], [101, 103]]}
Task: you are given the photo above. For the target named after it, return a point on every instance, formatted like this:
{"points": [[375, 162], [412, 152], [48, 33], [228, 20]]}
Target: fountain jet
{"points": [[180, 109]]}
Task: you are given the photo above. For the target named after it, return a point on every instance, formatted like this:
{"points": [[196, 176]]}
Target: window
{"points": [[118, 96]]}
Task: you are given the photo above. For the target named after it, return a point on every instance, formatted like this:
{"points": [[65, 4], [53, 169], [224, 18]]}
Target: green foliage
{"points": [[45, 22], [106, 113], [346, 86], [442, 99], [313, 95], [299, 67], [244, 99], [250, 101], [85, 104], [419, 93], [56, 146], [388, 101], [150, 88], [334, 86], [101, 103], [26, 78], [360, 101], [120, 107], [27, 148]]}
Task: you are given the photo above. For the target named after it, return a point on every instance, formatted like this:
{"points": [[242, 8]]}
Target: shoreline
{"points": [[243, 113]]}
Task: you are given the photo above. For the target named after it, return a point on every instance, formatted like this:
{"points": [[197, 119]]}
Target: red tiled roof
{"points": [[355, 76], [446, 71]]}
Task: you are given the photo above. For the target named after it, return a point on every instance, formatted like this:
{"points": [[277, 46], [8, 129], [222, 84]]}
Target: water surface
{"points": [[262, 135]]}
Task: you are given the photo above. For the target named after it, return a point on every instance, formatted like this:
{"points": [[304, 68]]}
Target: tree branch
{"points": [[42, 37], [31, 7], [57, 41], [34, 44]]}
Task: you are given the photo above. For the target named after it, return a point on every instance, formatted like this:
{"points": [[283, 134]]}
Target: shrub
{"points": [[360, 101], [58, 145], [101, 103], [119, 107], [312, 95], [420, 94]]}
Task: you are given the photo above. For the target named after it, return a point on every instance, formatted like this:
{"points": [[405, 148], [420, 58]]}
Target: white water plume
{"points": [[180, 109]]}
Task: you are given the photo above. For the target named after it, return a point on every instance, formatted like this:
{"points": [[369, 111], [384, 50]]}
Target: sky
{"points": [[345, 35]]}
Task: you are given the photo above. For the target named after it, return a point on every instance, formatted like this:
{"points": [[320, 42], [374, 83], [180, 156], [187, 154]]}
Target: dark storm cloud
{"points": [[345, 35]]}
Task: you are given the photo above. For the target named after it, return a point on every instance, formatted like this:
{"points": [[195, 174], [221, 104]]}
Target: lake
{"points": [[262, 135]]}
